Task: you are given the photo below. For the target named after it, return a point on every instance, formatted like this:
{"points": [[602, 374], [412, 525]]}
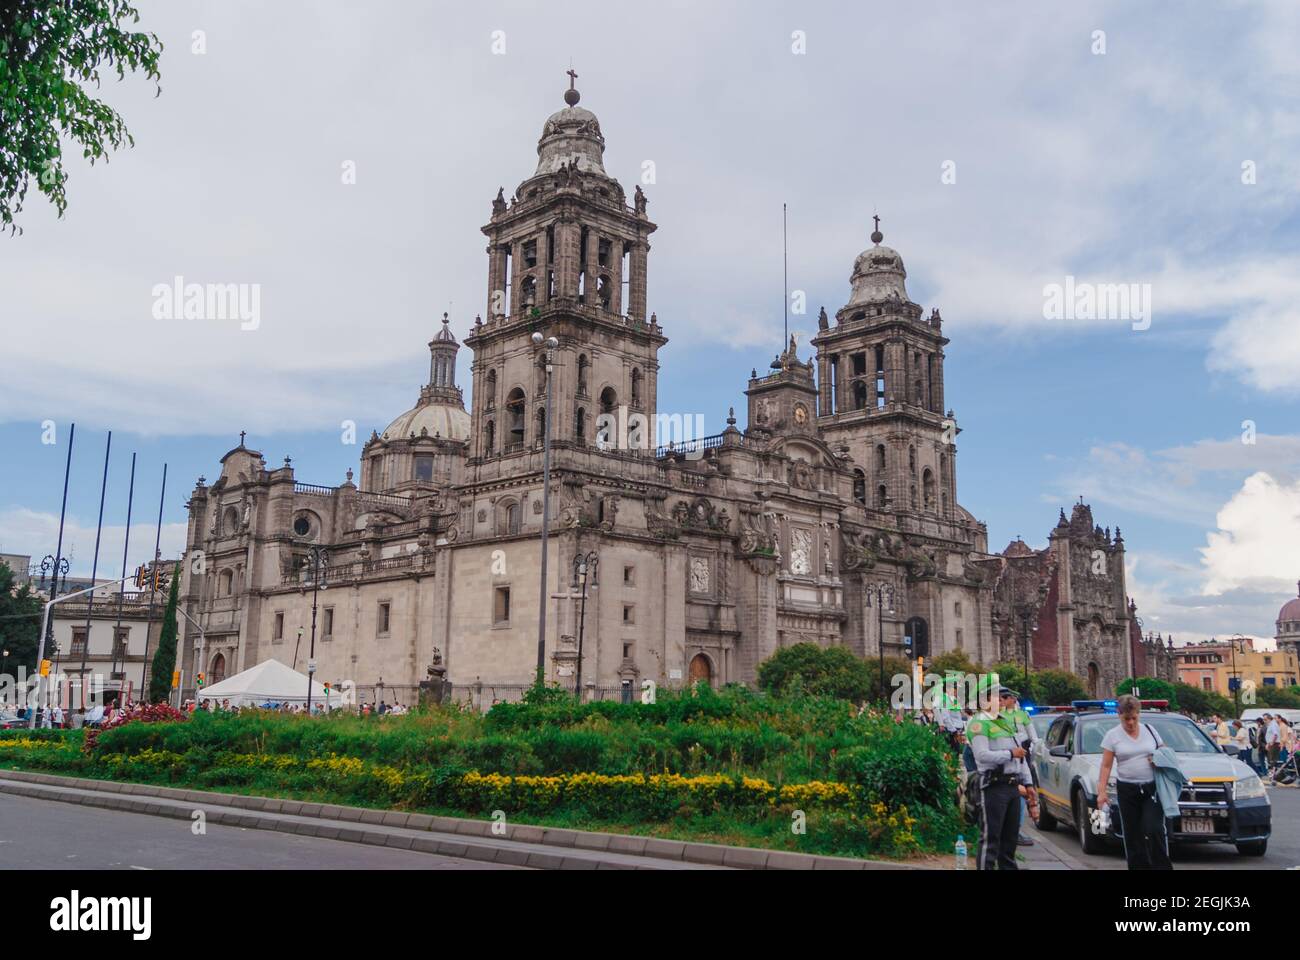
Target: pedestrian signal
{"points": [[176, 679]]}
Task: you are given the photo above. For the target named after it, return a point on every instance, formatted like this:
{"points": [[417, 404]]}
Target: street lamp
{"points": [[1236, 680], [318, 559], [550, 343], [584, 566], [881, 591]]}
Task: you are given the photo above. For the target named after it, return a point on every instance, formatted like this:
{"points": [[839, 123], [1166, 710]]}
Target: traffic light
{"points": [[176, 679], [139, 577], [199, 679], [45, 668]]}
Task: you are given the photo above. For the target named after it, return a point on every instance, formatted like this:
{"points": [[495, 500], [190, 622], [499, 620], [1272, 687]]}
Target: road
{"points": [[1283, 847], [46, 835]]}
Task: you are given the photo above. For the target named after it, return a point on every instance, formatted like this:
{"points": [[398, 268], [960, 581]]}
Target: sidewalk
{"points": [[526, 845]]}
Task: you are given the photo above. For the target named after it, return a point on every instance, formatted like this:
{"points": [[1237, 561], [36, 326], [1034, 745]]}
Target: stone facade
{"points": [[711, 553]]}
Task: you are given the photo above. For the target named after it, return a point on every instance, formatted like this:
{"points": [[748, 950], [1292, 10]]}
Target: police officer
{"points": [[1000, 739]]}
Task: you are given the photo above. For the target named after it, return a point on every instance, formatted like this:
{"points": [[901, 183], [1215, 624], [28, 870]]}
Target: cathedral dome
{"points": [[571, 138], [1290, 610], [878, 274], [436, 419]]}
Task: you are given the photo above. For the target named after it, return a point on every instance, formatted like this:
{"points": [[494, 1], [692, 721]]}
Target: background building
{"points": [[1212, 665]]}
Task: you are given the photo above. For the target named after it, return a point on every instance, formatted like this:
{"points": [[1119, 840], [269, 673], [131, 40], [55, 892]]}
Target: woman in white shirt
{"points": [[1129, 747]]}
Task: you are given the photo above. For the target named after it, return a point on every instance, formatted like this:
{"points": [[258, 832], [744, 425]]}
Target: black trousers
{"points": [[1000, 820], [1146, 840]]}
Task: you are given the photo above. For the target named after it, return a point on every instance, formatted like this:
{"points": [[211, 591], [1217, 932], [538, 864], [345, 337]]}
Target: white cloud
{"points": [[35, 533], [1257, 543]]}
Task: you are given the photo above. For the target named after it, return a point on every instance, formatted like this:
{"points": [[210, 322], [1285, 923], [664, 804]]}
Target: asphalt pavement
{"points": [[1283, 846], [40, 834]]}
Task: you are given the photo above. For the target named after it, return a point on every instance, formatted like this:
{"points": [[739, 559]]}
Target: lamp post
{"points": [[1236, 681], [550, 343], [584, 566], [318, 559], [880, 591]]}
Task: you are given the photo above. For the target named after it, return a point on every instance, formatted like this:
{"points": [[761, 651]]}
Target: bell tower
{"points": [[881, 394], [567, 257]]}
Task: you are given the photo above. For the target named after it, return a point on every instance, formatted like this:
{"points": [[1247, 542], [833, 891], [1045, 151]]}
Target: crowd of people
{"points": [[318, 708], [1267, 746]]}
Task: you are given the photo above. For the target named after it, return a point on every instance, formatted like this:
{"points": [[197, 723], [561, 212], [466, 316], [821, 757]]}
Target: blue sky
{"points": [[1117, 167]]}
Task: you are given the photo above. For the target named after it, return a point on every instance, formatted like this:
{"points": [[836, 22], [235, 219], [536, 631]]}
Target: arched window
{"points": [[582, 375], [608, 400], [541, 423], [490, 437], [636, 387], [859, 486], [880, 457], [882, 497], [927, 489], [231, 521], [508, 518], [528, 292], [515, 404], [218, 671], [580, 424], [911, 459], [914, 503], [490, 390], [227, 581]]}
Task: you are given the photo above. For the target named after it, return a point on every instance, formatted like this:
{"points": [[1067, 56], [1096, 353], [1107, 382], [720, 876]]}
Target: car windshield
{"points": [[1177, 732], [1042, 721]]}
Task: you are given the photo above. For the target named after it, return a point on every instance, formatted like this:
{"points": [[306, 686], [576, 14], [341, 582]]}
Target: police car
{"points": [[1225, 801]]}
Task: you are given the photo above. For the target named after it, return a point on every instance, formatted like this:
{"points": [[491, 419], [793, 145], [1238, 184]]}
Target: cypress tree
{"points": [[164, 658]]}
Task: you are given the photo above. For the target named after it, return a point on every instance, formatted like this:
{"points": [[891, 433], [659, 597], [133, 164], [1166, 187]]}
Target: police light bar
{"points": [[1110, 706], [1155, 704]]}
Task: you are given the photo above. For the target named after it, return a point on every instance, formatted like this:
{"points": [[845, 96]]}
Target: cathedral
{"points": [[832, 517]]}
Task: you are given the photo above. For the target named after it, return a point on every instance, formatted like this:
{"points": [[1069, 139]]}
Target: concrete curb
{"points": [[449, 836]]}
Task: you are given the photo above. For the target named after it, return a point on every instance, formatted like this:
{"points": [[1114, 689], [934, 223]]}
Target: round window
{"points": [[302, 526]]}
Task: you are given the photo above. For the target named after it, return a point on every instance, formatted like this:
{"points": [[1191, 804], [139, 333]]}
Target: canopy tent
{"points": [[269, 682]]}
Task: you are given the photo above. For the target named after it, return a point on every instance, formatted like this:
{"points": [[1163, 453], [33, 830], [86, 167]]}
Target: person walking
{"points": [[1286, 739], [1000, 747], [1272, 741], [1222, 734], [1129, 747]]}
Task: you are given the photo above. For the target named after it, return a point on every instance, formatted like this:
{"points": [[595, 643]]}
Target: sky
{"points": [[342, 159]]}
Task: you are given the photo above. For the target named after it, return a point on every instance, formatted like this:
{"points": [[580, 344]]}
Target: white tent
{"points": [[270, 682]]}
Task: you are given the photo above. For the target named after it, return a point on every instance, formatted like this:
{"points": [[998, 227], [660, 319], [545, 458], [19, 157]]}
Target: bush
{"points": [[822, 671]]}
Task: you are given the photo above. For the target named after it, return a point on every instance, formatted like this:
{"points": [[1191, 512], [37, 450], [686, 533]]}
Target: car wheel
{"points": [[1045, 822], [1088, 841], [1253, 848]]}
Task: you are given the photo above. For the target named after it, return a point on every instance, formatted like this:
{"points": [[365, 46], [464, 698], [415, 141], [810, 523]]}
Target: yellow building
{"points": [[1212, 664]]}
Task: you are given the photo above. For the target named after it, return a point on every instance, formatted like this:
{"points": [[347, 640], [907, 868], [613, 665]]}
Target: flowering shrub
{"points": [[135, 713]]}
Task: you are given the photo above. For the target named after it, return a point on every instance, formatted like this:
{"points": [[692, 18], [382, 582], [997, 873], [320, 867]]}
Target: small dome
{"points": [[1290, 610], [878, 274], [571, 137], [438, 419]]}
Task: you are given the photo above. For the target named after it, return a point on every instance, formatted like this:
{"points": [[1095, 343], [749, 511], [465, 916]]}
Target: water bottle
{"points": [[961, 852]]}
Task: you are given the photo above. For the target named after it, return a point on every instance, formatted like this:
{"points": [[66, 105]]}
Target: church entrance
{"points": [[1094, 681], [218, 671], [701, 669]]}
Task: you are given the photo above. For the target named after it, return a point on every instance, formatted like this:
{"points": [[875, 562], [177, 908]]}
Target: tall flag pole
{"points": [[94, 568], [121, 592], [785, 280], [153, 581], [47, 639]]}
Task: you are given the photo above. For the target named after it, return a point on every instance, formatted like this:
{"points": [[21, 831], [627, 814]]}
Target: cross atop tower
{"points": [[572, 77], [876, 235], [572, 96], [241, 437]]}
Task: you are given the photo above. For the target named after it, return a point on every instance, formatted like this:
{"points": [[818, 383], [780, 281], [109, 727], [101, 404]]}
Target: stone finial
{"points": [[876, 235], [349, 474], [572, 96], [287, 460]]}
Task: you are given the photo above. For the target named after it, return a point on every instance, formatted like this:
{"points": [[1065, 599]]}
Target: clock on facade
{"points": [[800, 413]]}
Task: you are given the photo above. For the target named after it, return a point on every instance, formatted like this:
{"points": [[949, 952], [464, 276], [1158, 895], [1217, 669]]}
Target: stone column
{"points": [[593, 268], [636, 294], [824, 385], [936, 388], [496, 279], [516, 277], [616, 276]]}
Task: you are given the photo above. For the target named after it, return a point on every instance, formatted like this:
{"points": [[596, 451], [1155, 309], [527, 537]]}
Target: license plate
{"points": [[1198, 825]]}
